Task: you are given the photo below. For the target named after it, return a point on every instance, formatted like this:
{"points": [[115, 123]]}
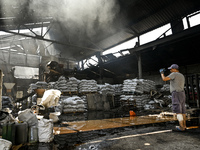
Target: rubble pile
{"points": [[74, 104], [87, 86]]}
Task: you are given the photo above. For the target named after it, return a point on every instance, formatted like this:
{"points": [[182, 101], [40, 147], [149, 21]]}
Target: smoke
{"points": [[84, 16], [79, 20]]}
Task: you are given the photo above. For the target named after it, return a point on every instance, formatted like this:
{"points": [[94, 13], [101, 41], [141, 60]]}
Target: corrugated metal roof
{"points": [[146, 15]]}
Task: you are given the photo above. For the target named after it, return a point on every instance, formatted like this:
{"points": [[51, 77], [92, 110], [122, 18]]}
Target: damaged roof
{"points": [[80, 29]]}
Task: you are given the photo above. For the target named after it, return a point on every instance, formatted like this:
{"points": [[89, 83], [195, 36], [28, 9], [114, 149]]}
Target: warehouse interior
{"points": [[60, 52]]}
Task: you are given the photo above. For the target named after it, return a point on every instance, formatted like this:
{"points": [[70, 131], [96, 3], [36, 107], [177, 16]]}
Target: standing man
{"points": [[177, 81]]}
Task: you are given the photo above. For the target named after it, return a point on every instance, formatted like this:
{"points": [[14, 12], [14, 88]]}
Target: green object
{"points": [[10, 136], [4, 131], [21, 133]]}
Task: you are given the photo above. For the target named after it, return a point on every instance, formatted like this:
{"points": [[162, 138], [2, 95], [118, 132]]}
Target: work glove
{"points": [[162, 70]]}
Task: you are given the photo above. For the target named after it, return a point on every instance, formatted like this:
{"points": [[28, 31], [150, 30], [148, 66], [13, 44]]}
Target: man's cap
{"points": [[174, 66]]}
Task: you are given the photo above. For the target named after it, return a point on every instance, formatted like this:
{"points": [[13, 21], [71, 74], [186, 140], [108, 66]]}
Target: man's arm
{"points": [[165, 78]]}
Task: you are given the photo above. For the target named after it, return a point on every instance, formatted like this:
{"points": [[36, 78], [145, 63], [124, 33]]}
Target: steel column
{"points": [[1, 83], [197, 87], [139, 66]]}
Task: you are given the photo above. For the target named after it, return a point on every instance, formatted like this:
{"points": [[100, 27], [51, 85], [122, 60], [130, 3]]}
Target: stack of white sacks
{"points": [[64, 85], [118, 89], [74, 104], [139, 100], [148, 85], [72, 84], [132, 85], [165, 88], [138, 85], [106, 89], [61, 84], [87, 86]]}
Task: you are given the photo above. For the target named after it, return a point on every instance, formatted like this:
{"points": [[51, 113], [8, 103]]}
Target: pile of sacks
{"points": [[118, 89], [87, 86], [139, 100], [165, 88], [106, 89], [138, 85], [7, 102], [75, 117], [148, 85], [72, 84], [41, 85], [61, 84], [74, 104], [38, 85], [132, 85]]}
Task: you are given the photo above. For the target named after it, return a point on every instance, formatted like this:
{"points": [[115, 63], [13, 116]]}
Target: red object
{"points": [[132, 113]]}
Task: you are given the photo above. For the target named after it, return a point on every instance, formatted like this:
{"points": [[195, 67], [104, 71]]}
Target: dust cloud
{"points": [[85, 16]]}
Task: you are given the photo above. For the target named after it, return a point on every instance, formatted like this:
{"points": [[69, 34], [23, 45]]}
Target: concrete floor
{"points": [[150, 138], [138, 132], [124, 133]]}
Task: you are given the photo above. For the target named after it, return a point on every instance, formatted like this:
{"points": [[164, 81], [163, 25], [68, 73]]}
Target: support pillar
{"points": [[82, 65], [100, 62], [197, 88], [139, 66], [1, 86]]}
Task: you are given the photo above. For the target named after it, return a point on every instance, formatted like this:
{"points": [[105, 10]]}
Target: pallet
{"points": [[70, 93], [85, 93], [74, 112], [131, 93]]}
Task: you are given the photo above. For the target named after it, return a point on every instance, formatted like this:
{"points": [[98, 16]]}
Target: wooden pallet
{"points": [[74, 112], [70, 93], [85, 93]]}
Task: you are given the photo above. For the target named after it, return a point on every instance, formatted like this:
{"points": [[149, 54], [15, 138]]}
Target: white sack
{"points": [[29, 117], [45, 130], [50, 98], [5, 144]]}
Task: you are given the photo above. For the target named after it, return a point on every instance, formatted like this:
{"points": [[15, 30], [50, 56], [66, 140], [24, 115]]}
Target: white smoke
{"points": [[87, 15]]}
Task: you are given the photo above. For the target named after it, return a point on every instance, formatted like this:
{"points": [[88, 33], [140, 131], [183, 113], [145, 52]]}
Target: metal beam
{"points": [[1, 87], [172, 39], [48, 40], [139, 66]]}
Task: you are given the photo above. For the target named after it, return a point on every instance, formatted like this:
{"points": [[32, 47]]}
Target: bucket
{"points": [[132, 113]]}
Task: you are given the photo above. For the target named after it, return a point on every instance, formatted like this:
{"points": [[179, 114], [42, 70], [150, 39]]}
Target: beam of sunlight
{"points": [[129, 136]]}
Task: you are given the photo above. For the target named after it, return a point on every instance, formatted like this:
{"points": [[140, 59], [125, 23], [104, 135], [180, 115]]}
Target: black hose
{"points": [[25, 97]]}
